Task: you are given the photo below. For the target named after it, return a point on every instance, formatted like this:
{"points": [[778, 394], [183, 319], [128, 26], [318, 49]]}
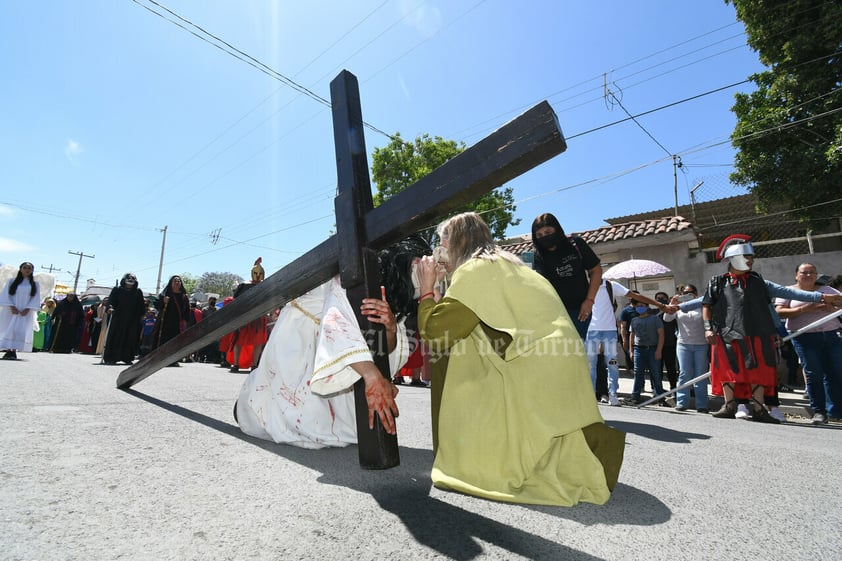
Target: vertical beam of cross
{"points": [[358, 266]]}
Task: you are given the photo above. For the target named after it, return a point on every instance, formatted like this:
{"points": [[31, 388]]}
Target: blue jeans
{"points": [[821, 358], [693, 361], [609, 349], [644, 358], [581, 326]]}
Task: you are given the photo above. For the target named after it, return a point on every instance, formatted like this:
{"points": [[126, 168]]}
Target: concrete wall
{"points": [[782, 269]]}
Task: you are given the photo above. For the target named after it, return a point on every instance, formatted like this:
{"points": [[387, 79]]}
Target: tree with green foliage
{"points": [[218, 283], [188, 282], [789, 131], [400, 164]]}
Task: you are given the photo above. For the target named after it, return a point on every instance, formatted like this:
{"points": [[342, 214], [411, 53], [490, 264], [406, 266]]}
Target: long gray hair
{"points": [[468, 237]]}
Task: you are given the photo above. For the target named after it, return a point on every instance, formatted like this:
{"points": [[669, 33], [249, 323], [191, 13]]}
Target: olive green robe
{"points": [[514, 413]]}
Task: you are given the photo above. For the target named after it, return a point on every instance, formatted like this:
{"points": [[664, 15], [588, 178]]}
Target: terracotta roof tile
{"points": [[612, 232]]}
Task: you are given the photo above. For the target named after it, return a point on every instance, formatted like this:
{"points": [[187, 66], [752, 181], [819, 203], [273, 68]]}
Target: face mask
{"points": [[546, 242], [739, 263], [641, 309]]}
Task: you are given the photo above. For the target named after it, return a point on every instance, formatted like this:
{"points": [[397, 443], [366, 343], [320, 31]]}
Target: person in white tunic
{"points": [[19, 305], [301, 392]]}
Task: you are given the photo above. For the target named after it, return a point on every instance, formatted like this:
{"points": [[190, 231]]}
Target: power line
{"points": [[248, 59]]}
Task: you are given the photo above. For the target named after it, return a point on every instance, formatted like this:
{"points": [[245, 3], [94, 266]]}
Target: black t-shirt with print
{"points": [[566, 268]]}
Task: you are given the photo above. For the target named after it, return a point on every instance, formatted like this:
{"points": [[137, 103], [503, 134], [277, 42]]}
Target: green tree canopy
{"points": [[218, 283], [400, 164], [188, 282], [789, 131]]}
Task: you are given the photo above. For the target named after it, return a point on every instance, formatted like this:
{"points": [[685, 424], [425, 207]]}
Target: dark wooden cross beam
{"points": [[515, 148]]}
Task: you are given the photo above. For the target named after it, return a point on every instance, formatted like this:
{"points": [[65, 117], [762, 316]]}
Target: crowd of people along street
{"points": [[732, 328]]}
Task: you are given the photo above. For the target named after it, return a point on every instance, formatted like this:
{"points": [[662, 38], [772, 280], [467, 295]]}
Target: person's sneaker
{"points": [[777, 414], [632, 400], [603, 399], [613, 401], [234, 369], [762, 416], [680, 408], [742, 412], [727, 411], [703, 410], [819, 418]]}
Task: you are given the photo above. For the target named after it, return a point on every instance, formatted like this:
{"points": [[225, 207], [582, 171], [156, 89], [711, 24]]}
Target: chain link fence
{"points": [[718, 209]]}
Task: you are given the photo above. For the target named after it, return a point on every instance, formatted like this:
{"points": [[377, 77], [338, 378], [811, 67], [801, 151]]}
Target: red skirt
{"points": [[743, 380], [254, 334]]}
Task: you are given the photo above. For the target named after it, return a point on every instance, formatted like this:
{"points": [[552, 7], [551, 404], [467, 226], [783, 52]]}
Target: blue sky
{"points": [[116, 123]]}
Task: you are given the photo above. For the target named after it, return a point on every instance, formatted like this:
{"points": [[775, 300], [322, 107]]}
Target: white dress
{"points": [[301, 393], [16, 331]]}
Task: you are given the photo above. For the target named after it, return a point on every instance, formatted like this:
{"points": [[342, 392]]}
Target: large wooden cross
{"points": [[362, 230]]}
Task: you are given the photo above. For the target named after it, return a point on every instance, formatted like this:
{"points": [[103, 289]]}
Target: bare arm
{"points": [[595, 275]]}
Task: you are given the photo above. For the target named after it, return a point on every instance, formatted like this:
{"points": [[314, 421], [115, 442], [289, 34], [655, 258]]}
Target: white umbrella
{"points": [[635, 268]]}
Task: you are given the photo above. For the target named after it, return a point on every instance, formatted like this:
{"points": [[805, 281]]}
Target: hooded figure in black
{"points": [[126, 308], [571, 267], [67, 319]]}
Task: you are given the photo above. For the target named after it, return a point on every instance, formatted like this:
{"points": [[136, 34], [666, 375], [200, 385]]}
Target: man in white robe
{"points": [[301, 392]]}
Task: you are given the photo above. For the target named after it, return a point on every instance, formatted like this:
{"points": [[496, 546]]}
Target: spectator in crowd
{"points": [[173, 313], [819, 349], [126, 308], [67, 319], [49, 308], [147, 330], [626, 315], [41, 338], [670, 359], [571, 267], [602, 335], [647, 334], [19, 305], [85, 346], [210, 353], [104, 322], [693, 351], [508, 425]]}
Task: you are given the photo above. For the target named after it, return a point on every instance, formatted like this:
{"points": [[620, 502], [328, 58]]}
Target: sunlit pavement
{"points": [[162, 472]]}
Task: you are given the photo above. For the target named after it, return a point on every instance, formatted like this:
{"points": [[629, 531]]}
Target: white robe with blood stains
{"points": [[301, 393]]}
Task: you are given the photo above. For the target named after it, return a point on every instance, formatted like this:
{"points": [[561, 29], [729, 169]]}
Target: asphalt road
{"points": [[90, 472]]}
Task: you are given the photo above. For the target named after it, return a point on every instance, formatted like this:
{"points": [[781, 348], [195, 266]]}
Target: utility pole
{"points": [[675, 165], [49, 269], [78, 267], [161, 262]]}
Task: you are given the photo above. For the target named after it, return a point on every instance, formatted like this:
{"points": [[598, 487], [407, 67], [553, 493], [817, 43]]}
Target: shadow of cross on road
{"points": [[362, 230]]}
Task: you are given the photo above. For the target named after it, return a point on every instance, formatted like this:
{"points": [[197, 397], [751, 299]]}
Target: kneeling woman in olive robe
{"points": [[514, 414]]}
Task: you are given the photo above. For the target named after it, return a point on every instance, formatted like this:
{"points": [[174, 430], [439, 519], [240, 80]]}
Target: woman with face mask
{"points": [[126, 309], [513, 410], [571, 267]]}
